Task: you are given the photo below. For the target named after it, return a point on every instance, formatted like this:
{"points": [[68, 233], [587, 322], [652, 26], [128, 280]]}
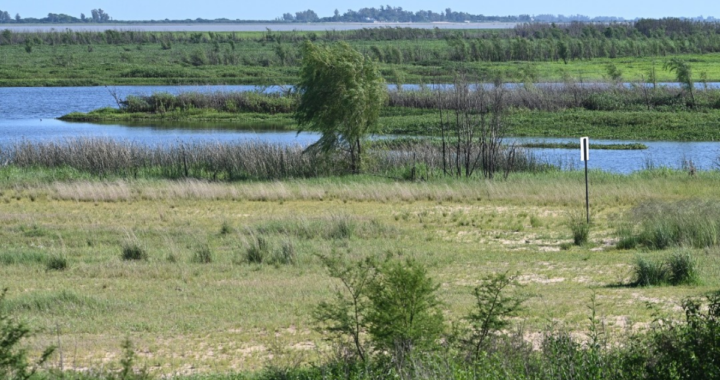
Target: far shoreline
{"points": [[250, 26]]}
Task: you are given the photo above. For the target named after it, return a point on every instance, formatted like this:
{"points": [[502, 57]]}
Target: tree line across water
{"points": [[527, 42]]}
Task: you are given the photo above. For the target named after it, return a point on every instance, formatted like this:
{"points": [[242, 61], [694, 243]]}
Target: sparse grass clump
{"points": [[650, 272], [679, 268], [226, 228], [287, 254], [683, 268], [342, 227], [21, 257], [202, 255], [659, 225], [579, 226], [57, 263], [133, 251], [259, 250], [334, 227]]}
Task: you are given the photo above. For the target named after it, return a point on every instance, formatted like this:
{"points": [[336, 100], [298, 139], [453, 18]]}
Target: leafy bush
{"points": [[688, 350], [14, 363], [404, 312], [344, 318], [493, 308]]}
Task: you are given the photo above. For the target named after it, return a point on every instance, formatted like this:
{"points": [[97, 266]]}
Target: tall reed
{"points": [[229, 160]]}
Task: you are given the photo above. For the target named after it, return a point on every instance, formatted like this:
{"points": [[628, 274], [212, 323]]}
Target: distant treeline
{"points": [[96, 15], [531, 42], [383, 14]]}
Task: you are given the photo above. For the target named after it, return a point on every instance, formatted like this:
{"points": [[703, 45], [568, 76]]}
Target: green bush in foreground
{"points": [[404, 313], [14, 363]]}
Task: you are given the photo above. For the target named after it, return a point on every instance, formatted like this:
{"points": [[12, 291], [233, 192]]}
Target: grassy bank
{"points": [[605, 111], [614, 125], [190, 314]]}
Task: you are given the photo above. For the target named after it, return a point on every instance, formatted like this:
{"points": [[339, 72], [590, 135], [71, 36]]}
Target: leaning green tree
{"points": [[341, 94]]}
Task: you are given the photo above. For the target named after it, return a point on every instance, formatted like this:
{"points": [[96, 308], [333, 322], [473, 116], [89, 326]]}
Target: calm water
{"points": [[29, 113]]}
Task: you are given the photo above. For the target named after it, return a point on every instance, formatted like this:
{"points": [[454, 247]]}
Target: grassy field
{"points": [[258, 62], [186, 316]]}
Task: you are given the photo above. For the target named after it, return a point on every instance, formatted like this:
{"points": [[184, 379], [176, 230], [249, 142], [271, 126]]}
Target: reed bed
{"points": [[607, 96], [659, 225], [270, 103], [238, 160], [602, 96]]}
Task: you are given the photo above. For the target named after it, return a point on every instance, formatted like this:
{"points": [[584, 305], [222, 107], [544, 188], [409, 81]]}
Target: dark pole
{"points": [[587, 191]]}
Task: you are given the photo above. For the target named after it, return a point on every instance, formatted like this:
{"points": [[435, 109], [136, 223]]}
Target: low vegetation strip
{"points": [[607, 111], [575, 145], [239, 160]]}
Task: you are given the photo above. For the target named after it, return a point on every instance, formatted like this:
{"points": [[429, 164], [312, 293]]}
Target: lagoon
{"points": [[30, 114]]}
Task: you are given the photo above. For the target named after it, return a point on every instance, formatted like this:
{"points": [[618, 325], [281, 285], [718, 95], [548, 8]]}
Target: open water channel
{"points": [[30, 114]]}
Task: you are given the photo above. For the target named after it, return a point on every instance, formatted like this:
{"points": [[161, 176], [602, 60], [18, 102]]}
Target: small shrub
{"points": [[14, 363], [493, 309], [127, 361], [132, 251], [404, 313], [203, 255], [58, 263]]}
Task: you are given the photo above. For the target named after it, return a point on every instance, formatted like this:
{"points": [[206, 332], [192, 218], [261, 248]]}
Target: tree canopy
{"points": [[341, 94]]}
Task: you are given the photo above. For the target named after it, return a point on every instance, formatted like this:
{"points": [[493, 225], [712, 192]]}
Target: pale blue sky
{"points": [[270, 9]]}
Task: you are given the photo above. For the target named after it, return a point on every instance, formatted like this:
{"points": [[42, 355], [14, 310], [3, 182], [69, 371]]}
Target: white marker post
{"points": [[585, 156]]}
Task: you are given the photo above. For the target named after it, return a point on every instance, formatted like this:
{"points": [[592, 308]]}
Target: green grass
{"points": [[659, 225], [253, 59], [178, 311], [617, 125]]}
